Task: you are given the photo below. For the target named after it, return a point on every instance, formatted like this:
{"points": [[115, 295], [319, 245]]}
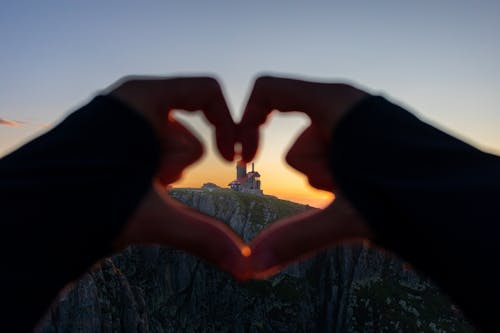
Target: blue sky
{"points": [[441, 59]]}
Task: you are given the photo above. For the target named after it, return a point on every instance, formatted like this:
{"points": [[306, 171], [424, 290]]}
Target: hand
{"points": [[302, 235], [158, 218], [324, 103], [162, 220], [156, 97]]}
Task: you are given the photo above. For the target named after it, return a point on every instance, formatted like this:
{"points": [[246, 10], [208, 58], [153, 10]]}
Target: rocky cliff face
{"points": [[345, 289]]}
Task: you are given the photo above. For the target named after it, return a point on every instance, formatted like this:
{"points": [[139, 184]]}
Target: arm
{"points": [[427, 196], [86, 187], [407, 186], [65, 196]]}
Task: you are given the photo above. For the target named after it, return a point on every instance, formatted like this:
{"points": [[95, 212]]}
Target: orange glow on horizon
{"points": [[285, 184], [277, 177]]}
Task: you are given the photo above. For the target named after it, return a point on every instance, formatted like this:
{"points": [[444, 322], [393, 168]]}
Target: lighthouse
{"points": [[248, 182]]}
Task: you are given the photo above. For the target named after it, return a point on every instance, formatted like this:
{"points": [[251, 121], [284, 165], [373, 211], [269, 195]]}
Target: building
{"points": [[246, 182]]}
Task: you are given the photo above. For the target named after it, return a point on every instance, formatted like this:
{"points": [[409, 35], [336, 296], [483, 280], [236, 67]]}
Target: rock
{"points": [[344, 289]]}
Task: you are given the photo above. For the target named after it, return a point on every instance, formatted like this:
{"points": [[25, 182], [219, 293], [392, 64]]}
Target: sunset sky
{"points": [[440, 59]]}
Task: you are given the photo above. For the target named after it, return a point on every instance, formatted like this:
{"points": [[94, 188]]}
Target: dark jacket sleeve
{"points": [[64, 197], [429, 197]]}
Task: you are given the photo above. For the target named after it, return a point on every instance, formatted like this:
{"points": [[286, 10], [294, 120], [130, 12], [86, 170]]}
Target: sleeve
{"points": [[64, 197], [429, 197]]}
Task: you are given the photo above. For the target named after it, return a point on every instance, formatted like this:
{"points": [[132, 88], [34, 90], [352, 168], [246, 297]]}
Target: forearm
{"points": [[427, 196], [66, 195]]}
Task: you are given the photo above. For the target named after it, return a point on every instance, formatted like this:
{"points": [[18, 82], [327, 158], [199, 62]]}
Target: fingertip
{"points": [[324, 184], [320, 177], [226, 154], [225, 143], [247, 156], [248, 140], [291, 158], [197, 150]]}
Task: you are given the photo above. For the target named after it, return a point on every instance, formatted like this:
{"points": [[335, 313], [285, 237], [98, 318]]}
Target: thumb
{"points": [[303, 235], [161, 220], [309, 155], [180, 149]]}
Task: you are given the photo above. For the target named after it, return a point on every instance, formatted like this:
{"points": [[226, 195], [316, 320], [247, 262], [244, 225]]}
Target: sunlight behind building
{"points": [[277, 177]]}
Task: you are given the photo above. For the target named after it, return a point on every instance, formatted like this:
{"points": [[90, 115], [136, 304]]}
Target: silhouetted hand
{"points": [[302, 235], [159, 219]]}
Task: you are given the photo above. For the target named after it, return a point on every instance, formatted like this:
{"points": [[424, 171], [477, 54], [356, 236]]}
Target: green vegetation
{"points": [[259, 209], [160, 289], [381, 305]]}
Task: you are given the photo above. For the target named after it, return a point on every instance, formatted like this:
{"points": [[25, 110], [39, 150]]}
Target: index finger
{"points": [[324, 103], [275, 93], [155, 97], [303, 235], [180, 149], [205, 94]]}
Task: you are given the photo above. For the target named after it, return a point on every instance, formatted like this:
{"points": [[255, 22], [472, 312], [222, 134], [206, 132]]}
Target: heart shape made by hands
{"points": [[159, 219]]}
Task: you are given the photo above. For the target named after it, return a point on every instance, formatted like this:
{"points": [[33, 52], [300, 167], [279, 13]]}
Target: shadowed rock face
{"points": [[345, 289]]}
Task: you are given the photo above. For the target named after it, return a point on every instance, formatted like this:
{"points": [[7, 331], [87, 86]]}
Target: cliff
{"points": [[344, 289]]}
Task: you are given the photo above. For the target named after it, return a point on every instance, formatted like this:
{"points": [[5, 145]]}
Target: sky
{"points": [[440, 59]]}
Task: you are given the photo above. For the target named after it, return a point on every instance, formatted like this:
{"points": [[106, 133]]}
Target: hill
{"points": [[344, 289], [245, 213]]}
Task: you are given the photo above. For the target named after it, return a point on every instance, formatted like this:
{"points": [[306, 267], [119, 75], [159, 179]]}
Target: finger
{"points": [[161, 220], [283, 94], [273, 93], [324, 103], [205, 237], [205, 94], [301, 236], [248, 137], [154, 97], [180, 149], [309, 155]]}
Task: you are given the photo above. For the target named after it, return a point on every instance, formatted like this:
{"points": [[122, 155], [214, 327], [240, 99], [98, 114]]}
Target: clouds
{"points": [[10, 123], [18, 124]]}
